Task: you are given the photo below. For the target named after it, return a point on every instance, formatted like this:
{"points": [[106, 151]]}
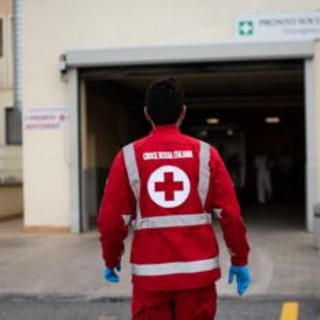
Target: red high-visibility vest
{"points": [[169, 185]]}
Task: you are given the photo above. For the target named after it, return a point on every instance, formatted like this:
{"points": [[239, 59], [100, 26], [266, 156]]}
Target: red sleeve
{"points": [[117, 206], [224, 203]]}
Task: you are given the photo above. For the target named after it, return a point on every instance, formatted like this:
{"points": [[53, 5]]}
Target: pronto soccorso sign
{"points": [[278, 26]]}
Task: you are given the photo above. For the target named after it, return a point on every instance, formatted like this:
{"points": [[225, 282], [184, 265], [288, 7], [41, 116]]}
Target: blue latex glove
{"points": [[243, 278], [111, 275]]}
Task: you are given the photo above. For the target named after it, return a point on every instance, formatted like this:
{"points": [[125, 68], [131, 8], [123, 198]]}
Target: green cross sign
{"points": [[246, 28]]}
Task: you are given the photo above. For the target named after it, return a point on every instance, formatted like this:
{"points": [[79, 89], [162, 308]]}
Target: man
{"points": [[169, 185], [263, 166]]}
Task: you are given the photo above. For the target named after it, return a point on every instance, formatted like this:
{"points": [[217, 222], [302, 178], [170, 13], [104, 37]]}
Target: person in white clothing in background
{"points": [[263, 166]]}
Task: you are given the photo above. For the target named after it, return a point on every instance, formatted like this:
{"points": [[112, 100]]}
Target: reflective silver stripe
{"points": [[132, 169], [126, 219], [218, 213], [162, 269], [133, 174], [173, 221], [204, 174]]}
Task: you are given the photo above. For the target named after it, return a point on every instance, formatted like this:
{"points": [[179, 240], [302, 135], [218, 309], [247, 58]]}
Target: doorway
{"points": [[243, 109]]}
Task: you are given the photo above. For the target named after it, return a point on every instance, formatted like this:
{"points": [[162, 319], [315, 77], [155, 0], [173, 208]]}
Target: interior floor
{"points": [[274, 215]]}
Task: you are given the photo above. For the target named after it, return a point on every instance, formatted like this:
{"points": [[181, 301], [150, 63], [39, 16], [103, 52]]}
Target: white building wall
{"points": [[6, 100], [10, 155], [316, 141], [6, 59], [54, 27], [11, 203]]}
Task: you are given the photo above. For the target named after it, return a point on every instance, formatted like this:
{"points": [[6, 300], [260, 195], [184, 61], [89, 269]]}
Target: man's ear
{"points": [[183, 112], [146, 113], [182, 115]]}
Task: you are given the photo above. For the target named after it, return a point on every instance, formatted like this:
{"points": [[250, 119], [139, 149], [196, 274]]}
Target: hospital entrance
{"points": [[252, 112]]}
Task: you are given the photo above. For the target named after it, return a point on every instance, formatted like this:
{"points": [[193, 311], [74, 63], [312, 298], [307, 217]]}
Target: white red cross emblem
{"points": [[168, 186]]}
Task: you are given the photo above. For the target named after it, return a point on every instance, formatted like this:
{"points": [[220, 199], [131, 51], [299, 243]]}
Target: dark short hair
{"points": [[164, 101]]}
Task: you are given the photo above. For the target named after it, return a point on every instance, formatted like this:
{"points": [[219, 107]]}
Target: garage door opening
{"points": [[243, 109]]}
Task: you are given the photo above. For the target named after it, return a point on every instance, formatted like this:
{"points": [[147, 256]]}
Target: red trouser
{"points": [[192, 304]]}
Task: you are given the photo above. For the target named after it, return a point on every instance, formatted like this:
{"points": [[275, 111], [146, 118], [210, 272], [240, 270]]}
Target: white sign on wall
{"points": [[278, 26], [42, 118]]}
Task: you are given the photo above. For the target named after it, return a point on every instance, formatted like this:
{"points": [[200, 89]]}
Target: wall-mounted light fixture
{"points": [[213, 120], [230, 132], [272, 120], [203, 134]]}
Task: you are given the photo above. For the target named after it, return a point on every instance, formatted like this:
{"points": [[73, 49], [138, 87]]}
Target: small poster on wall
{"points": [[46, 118]]}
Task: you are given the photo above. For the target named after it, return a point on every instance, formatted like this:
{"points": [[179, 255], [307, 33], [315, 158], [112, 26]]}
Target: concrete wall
{"points": [[106, 124], [105, 134], [10, 165], [6, 7], [316, 141], [6, 100], [75, 24], [6, 59], [11, 202]]}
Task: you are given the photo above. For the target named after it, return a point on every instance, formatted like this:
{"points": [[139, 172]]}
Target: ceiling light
{"points": [[213, 121], [203, 134], [272, 120], [230, 132]]}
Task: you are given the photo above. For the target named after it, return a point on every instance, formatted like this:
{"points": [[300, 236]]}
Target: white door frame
{"points": [[310, 130], [224, 52], [75, 151]]}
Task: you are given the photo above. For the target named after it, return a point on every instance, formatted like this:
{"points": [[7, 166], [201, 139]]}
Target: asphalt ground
{"points": [[61, 276], [252, 308], [283, 262]]}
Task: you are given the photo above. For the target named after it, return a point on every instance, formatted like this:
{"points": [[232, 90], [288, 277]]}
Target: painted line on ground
{"points": [[290, 311]]}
